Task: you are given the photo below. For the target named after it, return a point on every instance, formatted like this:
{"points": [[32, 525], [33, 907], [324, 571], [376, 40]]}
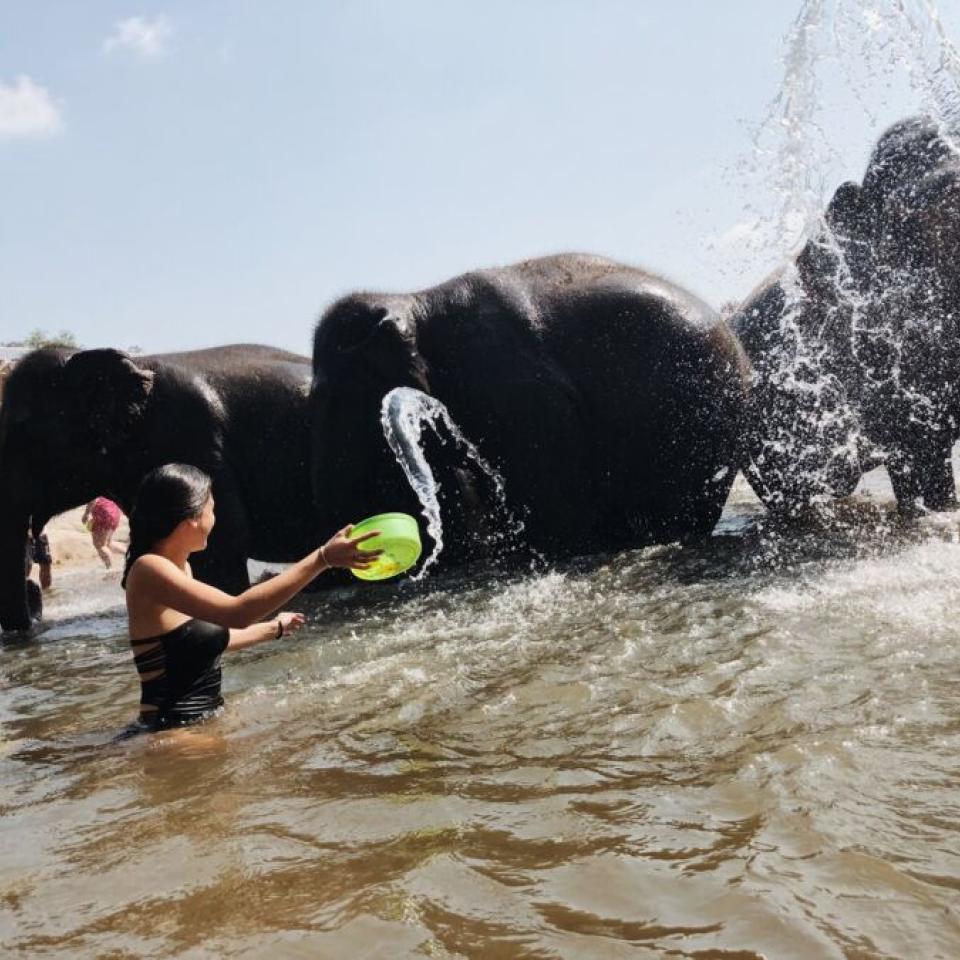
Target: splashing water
{"points": [[403, 414], [899, 42], [880, 327]]}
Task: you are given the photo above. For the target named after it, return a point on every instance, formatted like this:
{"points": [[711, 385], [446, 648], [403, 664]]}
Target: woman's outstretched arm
{"points": [[160, 581]]}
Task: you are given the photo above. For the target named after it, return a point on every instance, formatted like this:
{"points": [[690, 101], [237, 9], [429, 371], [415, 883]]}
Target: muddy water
{"points": [[749, 749]]}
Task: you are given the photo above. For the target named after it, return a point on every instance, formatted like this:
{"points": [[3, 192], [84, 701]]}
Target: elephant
{"points": [[609, 400], [855, 343], [77, 424]]}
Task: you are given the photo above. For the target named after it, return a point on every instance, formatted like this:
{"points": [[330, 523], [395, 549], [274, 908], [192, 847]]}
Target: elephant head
{"points": [[913, 182], [64, 420], [365, 346], [908, 342], [911, 192]]}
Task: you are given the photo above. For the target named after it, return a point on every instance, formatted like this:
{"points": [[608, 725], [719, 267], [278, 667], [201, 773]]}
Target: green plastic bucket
{"points": [[399, 540]]}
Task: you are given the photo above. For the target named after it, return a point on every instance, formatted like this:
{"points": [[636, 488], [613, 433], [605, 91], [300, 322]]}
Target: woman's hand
{"points": [[341, 551], [283, 623], [290, 622]]}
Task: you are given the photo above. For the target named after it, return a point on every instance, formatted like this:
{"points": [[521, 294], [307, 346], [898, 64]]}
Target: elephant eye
{"points": [[351, 338], [358, 328]]}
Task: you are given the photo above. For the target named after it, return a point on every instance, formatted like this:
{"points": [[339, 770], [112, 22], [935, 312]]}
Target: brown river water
{"points": [[748, 749]]}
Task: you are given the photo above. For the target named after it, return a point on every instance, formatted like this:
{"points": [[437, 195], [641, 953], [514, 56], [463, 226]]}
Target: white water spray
{"points": [[844, 61], [838, 54], [403, 414]]}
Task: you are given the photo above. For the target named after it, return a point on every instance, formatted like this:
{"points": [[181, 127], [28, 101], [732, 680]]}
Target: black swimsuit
{"points": [[182, 668]]}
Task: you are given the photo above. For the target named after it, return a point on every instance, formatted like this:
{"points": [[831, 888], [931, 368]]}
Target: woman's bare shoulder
{"points": [[151, 565]]}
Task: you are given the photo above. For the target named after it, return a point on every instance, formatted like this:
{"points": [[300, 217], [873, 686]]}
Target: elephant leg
{"points": [[34, 600], [703, 508], [688, 508], [14, 607], [905, 481], [784, 502], [922, 475], [937, 483]]}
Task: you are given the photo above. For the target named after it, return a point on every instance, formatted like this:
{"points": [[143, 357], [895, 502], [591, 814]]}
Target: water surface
{"points": [[747, 749]]}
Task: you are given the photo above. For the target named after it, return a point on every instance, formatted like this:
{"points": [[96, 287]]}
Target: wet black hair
{"points": [[166, 496]]}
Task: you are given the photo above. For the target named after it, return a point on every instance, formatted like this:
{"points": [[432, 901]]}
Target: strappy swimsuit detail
{"points": [[180, 674]]}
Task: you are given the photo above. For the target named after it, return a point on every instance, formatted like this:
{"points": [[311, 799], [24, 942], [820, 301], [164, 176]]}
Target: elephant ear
{"points": [[842, 232], [852, 221], [922, 226], [847, 214], [108, 392]]}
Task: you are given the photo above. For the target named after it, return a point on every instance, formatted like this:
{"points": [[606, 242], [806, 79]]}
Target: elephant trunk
{"points": [[350, 460], [14, 608]]}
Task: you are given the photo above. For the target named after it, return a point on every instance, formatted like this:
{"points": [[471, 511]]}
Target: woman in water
{"points": [[179, 626]]}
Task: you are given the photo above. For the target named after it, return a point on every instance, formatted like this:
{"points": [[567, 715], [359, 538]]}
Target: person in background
{"points": [[37, 552], [102, 517]]}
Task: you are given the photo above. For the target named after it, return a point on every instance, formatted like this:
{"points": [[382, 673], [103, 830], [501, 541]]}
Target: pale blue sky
{"points": [[203, 172]]}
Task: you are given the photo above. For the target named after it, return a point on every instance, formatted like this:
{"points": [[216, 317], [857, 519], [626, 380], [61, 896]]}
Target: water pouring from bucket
{"points": [[403, 414]]}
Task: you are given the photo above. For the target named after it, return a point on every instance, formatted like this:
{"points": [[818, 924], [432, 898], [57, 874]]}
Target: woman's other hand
{"points": [[291, 622], [283, 623], [341, 551]]}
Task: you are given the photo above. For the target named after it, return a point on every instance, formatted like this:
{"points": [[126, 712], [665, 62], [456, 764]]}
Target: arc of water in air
{"points": [[403, 414]]}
